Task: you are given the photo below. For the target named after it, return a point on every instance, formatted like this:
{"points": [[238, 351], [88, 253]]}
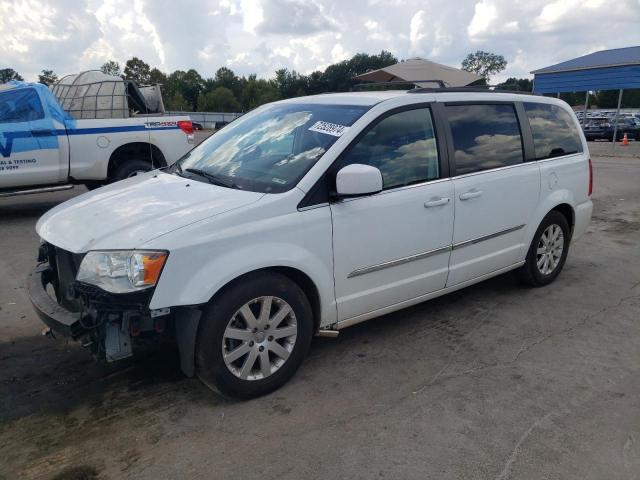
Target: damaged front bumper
{"points": [[106, 323], [57, 318]]}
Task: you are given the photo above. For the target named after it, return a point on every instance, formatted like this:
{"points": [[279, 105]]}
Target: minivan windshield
{"points": [[271, 148]]}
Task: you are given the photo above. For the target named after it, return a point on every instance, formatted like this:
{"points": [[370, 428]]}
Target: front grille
{"points": [[64, 266]]}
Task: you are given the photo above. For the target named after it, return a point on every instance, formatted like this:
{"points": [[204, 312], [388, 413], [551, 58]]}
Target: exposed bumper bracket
{"points": [[57, 318]]}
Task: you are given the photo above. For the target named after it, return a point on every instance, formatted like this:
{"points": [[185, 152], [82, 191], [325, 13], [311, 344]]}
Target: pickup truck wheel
{"points": [[92, 185], [131, 168], [548, 251], [254, 336]]}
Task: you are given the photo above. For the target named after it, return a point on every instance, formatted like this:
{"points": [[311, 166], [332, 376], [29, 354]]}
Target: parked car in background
{"points": [[629, 125], [310, 215], [603, 128], [44, 148]]}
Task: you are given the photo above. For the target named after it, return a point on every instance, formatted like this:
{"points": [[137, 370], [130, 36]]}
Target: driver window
{"points": [[402, 146]]}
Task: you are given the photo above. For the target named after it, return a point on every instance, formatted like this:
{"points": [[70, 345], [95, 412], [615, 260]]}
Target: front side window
{"points": [[270, 149], [484, 137], [554, 131], [402, 146], [20, 105]]}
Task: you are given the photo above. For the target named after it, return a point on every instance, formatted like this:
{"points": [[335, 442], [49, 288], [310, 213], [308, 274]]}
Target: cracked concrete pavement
{"points": [[496, 381]]}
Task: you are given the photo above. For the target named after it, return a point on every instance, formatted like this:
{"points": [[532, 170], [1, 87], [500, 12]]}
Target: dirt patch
{"points": [[78, 473], [616, 224]]}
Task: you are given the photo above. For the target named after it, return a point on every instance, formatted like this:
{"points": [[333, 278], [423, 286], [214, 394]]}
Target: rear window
{"points": [[484, 137], [554, 131], [20, 105]]}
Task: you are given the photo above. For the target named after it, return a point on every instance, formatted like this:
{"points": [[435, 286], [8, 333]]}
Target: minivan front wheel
{"points": [[254, 336], [548, 251]]}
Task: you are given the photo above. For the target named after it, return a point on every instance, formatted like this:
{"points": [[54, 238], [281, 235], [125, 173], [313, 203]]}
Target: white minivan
{"points": [[308, 215]]}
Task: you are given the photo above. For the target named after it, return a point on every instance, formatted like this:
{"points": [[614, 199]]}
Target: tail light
{"points": [[186, 126], [590, 178]]}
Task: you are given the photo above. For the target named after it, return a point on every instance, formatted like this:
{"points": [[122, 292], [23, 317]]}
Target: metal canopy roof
{"points": [[416, 69], [605, 70], [604, 58]]}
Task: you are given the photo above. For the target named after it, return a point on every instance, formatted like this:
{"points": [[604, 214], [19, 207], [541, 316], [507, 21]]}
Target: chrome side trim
{"points": [[419, 256], [473, 241], [407, 303], [56, 188], [399, 261]]}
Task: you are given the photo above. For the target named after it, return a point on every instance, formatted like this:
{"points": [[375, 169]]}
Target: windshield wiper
{"points": [[212, 178]]}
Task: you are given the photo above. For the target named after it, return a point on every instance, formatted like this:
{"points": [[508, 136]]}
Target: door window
{"points": [[554, 131], [484, 137], [402, 146], [21, 105]]}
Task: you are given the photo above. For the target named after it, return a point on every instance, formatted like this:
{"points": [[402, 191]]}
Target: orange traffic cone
{"points": [[625, 141]]}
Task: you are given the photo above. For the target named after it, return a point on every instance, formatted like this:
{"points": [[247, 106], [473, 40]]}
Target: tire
{"points": [[533, 274], [130, 168], [242, 374], [92, 185]]}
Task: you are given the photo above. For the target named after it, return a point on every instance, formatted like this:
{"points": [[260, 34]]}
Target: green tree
{"points": [[156, 76], [484, 64], [221, 99], [192, 87], [8, 74], [137, 71], [609, 98], [111, 67], [290, 83], [316, 83], [225, 77], [517, 84], [189, 84], [339, 76], [177, 103], [47, 77]]}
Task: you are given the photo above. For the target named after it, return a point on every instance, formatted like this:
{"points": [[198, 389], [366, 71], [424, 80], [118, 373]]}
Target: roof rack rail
{"points": [[400, 82], [480, 89]]}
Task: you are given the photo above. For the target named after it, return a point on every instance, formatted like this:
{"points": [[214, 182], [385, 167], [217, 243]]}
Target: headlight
{"points": [[122, 271]]}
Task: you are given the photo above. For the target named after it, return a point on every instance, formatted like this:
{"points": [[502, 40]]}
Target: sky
{"points": [[261, 36]]}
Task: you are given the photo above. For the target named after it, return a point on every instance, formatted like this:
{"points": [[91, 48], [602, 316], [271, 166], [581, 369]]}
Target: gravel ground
{"points": [[495, 381], [606, 149]]}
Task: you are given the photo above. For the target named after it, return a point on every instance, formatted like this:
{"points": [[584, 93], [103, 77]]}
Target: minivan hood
{"points": [[129, 213]]}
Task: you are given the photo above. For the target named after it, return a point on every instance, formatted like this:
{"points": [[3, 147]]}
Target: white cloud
{"points": [[260, 36], [417, 27], [485, 14]]}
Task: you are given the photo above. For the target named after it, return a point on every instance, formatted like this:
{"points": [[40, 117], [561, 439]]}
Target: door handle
{"points": [[470, 194], [436, 202]]}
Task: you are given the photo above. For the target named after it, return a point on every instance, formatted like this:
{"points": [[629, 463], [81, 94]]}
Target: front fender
{"points": [[197, 270]]}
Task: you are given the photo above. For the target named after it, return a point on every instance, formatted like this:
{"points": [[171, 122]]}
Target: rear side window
{"points": [[484, 137], [402, 146], [20, 105], [554, 131]]}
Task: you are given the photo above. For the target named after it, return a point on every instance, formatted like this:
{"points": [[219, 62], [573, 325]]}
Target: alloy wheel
{"points": [[259, 338], [550, 248]]}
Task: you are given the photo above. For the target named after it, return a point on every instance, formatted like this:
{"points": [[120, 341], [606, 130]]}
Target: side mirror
{"points": [[358, 179]]}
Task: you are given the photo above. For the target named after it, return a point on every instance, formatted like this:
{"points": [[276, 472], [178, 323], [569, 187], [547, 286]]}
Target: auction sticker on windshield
{"points": [[328, 128]]}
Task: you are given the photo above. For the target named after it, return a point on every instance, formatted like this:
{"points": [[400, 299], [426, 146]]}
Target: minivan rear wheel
{"points": [[547, 252], [254, 336]]}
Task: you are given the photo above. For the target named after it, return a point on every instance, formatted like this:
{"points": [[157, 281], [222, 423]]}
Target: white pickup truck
{"points": [[43, 148]]}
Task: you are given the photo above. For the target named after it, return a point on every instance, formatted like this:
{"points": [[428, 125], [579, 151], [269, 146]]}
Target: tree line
{"points": [[228, 92]]}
